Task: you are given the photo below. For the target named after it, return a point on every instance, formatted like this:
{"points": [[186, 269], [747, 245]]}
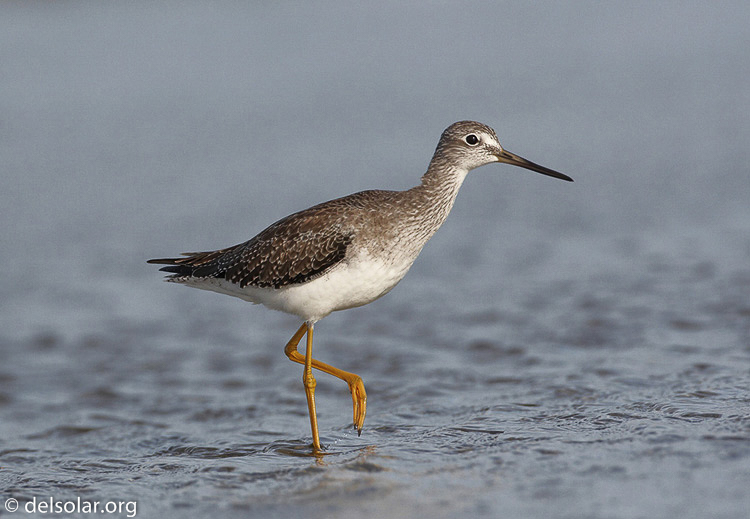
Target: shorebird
{"points": [[346, 252]]}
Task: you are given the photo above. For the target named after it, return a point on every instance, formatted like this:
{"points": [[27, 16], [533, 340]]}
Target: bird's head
{"points": [[468, 144]]}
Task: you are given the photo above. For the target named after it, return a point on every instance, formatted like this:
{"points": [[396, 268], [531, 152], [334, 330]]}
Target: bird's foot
{"points": [[359, 399]]}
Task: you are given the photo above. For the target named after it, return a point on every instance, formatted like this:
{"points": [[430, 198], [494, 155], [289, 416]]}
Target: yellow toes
{"points": [[359, 400]]}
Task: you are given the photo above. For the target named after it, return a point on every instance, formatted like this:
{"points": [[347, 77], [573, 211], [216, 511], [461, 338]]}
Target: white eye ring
{"points": [[471, 139]]}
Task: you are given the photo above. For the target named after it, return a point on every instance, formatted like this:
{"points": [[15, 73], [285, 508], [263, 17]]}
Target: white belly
{"points": [[352, 283]]}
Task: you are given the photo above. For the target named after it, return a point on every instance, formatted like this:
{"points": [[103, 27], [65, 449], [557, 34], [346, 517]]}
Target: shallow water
{"points": [[567, 350], [600, 397]]}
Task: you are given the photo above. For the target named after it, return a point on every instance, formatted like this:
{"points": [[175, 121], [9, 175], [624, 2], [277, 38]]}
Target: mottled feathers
{"points": [[296, 249]]}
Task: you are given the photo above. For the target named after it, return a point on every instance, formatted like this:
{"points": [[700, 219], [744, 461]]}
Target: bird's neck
{"points": [[440, 178], [436, 194]]}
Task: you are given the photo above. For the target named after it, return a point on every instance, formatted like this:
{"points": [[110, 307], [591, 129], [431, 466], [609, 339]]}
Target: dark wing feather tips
{"points": [[294, 250]]}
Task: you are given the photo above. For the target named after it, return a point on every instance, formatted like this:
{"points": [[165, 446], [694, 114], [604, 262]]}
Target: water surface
{"points": [[568, 350]]}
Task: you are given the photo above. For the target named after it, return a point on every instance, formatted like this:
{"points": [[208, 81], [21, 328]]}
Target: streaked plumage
{"points": [[346, 252]]}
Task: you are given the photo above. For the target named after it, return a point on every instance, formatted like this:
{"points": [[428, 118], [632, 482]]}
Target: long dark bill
{"points": [[513, 159]]}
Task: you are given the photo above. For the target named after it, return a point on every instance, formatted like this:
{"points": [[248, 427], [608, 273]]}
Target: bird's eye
{"points": [[471, 139]]}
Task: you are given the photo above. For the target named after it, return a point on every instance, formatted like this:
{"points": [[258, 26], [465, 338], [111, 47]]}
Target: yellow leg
{"points": [[356, 386], [309, 381], [307, 377]]}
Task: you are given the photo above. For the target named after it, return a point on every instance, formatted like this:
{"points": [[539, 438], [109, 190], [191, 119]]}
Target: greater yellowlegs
{"points": [[346, 252]]}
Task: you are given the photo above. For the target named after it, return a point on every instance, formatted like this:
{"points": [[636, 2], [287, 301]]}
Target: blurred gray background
{"points": [[135, 130], [132, 130]]}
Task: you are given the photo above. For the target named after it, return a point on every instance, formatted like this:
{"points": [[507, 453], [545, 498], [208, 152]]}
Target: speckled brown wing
{"points": [[293, 250]]}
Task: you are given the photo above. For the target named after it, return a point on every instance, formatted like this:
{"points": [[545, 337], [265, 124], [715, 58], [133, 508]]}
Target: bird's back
{"points": [[293, 250]]}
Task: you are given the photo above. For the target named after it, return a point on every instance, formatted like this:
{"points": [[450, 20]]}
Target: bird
{"points": [[344, 253]]}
